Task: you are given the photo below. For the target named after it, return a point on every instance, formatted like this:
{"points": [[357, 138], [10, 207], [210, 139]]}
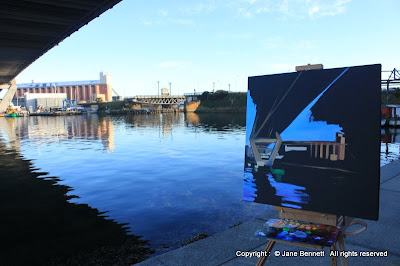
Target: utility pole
{"points": [[229, 85], [158, 88], [213, 86], [170, 92]]}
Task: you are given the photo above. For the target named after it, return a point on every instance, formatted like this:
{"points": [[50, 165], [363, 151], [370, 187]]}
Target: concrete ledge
{"points": [[215, 249], [221, 248], [325, 260], [390, 171]]}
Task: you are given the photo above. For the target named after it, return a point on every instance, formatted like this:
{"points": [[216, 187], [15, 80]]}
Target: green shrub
{"points": [[224, 99], [204, 96], [218, 95]]}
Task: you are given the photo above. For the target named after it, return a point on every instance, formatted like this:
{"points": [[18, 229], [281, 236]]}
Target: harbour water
{"points": [[390, 145], [168, 177]]}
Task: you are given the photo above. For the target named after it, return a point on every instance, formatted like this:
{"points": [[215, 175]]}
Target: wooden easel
{"points": [[307, 216], [319, 218]]}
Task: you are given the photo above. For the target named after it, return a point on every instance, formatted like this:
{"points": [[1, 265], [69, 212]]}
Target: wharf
{"points": [[55, 114], [220, 249], [140, 111]]}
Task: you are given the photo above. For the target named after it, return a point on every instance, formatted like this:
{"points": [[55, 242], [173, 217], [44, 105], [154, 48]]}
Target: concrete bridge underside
{"points": [[29, 28]]}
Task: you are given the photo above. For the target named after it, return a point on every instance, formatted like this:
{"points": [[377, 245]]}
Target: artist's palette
{"points": [[298, 231]]}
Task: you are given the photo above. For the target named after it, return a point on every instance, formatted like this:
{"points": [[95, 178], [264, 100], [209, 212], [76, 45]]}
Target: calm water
{"points": [[169, 176], [390, 145]]}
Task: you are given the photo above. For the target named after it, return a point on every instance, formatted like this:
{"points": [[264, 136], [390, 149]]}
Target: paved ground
{"points": [[220, 249]]}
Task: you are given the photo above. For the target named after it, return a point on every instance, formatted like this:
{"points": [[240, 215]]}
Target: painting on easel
{"points": [[312, 141]]}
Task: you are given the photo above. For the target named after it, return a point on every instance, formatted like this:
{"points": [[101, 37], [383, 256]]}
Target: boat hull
{"points": [[11, 115]]}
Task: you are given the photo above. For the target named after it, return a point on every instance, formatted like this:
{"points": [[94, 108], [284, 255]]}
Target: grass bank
{"points": [[107, 105], [222, 101]]}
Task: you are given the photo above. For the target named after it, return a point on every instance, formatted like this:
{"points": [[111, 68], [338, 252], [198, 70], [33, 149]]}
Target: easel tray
{"points": [[299, 232]]}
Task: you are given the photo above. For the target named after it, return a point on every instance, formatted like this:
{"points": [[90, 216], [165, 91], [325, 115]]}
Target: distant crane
{"points": [[116, 92]]}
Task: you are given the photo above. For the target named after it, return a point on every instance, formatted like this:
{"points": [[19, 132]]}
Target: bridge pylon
{"points": [[5, 102]]}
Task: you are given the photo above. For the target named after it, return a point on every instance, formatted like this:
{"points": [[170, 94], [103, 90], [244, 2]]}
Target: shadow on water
{"points": [[219, 121], [216, 120], [39, 226]]}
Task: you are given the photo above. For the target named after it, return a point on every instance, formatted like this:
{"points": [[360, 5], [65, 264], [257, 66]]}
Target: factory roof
{"points": [[58, 84]]}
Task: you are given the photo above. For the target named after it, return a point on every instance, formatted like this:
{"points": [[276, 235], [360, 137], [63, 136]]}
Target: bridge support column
{"points": [[5, 102]]}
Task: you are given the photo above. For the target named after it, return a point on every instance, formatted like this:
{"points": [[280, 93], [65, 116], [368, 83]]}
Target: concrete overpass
{"points": [[30, 28]]}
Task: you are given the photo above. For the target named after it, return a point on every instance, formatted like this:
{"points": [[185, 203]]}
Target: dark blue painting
{"points": [[312, 140]]}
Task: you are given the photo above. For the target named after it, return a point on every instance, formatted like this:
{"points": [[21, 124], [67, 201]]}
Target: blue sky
{"points": [[195, 43]]}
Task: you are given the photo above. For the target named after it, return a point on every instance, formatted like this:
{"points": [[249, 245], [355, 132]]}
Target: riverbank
{"points": [[103, 106], [222, 101], [221, 249], [219, 102]]}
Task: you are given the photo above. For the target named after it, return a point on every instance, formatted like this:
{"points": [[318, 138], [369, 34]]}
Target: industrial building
{"points": [[82, 91], [45, 101]]}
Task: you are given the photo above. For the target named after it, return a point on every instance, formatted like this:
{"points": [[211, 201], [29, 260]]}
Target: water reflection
{"points": [[169, 177], [390, 145], [192, 119], [8, 132], [218, 121], [45, 130]]}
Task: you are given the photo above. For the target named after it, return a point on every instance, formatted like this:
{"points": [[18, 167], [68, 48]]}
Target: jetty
{"points": [[127, 111], [58, 113]]}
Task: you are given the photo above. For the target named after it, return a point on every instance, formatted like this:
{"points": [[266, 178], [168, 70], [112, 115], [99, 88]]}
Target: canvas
{"points": [[313, 141]]}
